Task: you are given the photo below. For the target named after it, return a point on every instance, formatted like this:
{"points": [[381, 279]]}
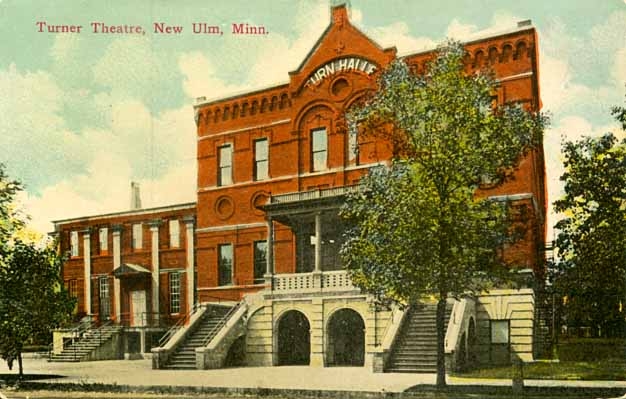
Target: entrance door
{"points": [[346, 339], [294, 340], [138, 299]]}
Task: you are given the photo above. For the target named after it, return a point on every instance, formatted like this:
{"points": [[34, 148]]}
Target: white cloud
{"points": [[619, 67], [557, 86], [501, 21], [131, 66], [398, 35], [200, 77]]}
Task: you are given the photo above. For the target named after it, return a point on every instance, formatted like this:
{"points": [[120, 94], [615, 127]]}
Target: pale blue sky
{"points": [[81, 115]]}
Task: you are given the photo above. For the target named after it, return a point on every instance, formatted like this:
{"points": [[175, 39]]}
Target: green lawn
{"points": [[609, 369], [580, 359]]}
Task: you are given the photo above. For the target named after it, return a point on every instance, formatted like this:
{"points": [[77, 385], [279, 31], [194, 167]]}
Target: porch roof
{"points": [[130, 270], [283, 207]]}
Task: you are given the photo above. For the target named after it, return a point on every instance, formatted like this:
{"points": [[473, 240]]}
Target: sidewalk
{"points": [[138, 373]]}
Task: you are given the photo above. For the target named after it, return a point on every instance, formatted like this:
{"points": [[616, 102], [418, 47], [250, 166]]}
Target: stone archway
{"points": [[345, 339], [294, 339]]}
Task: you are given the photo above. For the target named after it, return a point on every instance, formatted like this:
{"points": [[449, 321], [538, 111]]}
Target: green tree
{"points": [[419, 227], [591, 271], [10, 218], [32, 298]]}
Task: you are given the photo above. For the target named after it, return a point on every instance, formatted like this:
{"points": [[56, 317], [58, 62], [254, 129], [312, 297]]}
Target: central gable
{"points": [[341, 48]]}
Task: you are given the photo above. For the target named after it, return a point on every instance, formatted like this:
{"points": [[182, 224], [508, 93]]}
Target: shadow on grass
{"points": [[13, 378]]}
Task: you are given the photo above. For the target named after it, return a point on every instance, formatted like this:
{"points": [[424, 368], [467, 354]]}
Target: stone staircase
{"points": [[415, 349], [81, 349], [184, 358]]}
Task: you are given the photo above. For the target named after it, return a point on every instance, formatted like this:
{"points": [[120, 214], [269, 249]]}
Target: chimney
{"points": [[135, 196], [526, 22]]}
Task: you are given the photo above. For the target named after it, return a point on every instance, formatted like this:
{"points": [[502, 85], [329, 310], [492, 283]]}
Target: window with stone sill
{"points": [[319, 150]]}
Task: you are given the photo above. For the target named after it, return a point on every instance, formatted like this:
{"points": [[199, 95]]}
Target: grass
{"points": [[608, 369], [580, 359]]}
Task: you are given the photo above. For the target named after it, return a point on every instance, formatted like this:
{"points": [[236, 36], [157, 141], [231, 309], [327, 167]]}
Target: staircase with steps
{"points": [[415, 349], [82, 348], [184, 358]]}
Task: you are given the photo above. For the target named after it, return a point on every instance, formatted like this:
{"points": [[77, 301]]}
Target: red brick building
{"points": [[286, 143], [274, 166], [133, 268]]}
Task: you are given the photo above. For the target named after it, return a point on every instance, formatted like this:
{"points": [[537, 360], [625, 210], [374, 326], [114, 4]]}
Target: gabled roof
{"points": [[130, 269]]}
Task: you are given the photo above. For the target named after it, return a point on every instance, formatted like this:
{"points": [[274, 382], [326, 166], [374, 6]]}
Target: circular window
{"points": [[224, 207], [259, 199], [340, 88]]}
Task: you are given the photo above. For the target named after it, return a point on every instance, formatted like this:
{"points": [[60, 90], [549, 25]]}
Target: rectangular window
{"points": [[73, 288], [261, 159], [174, 233], [225, 264], [74, 243], [319, 146], [499, 331], [105, 300], [225, 176], [137, 236], [260, 260], [353, 143], [175, 292], [103, 240]]}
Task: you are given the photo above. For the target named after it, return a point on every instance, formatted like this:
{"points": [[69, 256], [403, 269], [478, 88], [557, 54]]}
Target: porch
{"points": [[313, 217]]}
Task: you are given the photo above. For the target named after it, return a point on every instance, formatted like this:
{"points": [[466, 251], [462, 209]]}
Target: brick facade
{"points": [[287, 115], [172, 258]]}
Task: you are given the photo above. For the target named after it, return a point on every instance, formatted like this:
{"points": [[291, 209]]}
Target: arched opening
{"points": [[461, 359], [236, 356], [346, 339], [471, 344], [294, 340]]}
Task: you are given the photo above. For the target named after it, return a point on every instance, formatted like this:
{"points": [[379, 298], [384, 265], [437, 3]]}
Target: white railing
{"points": [[336, 280], [326, 281], [293, 282], [312, 194]]}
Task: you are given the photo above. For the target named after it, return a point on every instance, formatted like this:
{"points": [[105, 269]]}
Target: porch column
{"points": [[317, 272], [191, 265], [87, 264], [154, 229], [269, 258], [318, 243], [117, 262]]}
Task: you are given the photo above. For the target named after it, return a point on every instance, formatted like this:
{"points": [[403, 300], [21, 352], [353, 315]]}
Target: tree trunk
{"points": [[441, 336], [19, 362]]}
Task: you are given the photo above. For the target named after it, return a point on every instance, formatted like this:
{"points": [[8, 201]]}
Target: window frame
{"points": [[494, 323], [314, 152], [221, 271], [137, 236], [174, 292], [223, 168], [174, 238], [103, 282], [353, 143], [103, 240], [259, 261], [72, 287], [74, 244], [258, 160]]}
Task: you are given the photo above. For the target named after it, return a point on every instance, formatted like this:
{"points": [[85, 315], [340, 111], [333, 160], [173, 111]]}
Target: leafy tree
{"points": [[591, 272], [10, 218], [32, 298], [419, 227]]}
